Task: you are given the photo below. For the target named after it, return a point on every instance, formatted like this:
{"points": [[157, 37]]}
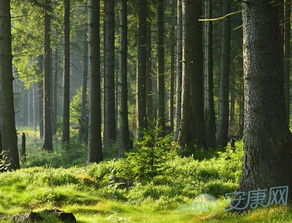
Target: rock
{"points": [[36, 217], [61, 215]]}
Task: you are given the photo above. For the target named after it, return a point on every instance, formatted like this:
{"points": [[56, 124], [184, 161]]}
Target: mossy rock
{"points": [[48, 216]]}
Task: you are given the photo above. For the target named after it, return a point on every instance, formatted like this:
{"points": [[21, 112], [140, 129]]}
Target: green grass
{"points": [[90, 192]]}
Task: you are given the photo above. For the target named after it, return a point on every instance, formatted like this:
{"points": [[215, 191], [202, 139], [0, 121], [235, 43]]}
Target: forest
{"points": [[161, 111]]}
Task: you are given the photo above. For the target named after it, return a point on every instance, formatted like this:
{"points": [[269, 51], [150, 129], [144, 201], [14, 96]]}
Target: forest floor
{"points": [[122, 191]]}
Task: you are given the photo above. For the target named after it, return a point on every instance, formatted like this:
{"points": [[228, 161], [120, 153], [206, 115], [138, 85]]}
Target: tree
{"points": [[149, 85], [192, 128], [124, 123], [160, 65], [8, 131], [209, 111], [83, 131], [94, 132], [179, 67], [222, 133], [48, 144], [172, 67], [267, 139], [141, 67], [287, 27], [109, 77], [66, 84]]}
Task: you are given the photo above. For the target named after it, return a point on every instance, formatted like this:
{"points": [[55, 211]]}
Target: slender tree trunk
{"points": [[267, 139], [41, 108], [55, 92], [28, 108], [48, 144], [179, 67], [94, 137], [109, 78], [210, 111], [287, 27], [8, 130], [66, 85], [83, 131], [192, 128], [149, 90], [222, 134], [141, 69], [160, 65], [172, 68], [124, 123]]}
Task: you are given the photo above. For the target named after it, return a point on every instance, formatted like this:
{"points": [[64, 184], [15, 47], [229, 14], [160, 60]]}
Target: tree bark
{"points": [[94, 137], [179, 67], [141, 67], [287, 27], [267, 139], [222, 133], [124, 123], [66, 84], [210, 111], [83, 131], [55, 93], [109, 78], [192, 128], [172, 68], [48, 144], [149, 90], [160, 66], [8, 130]]}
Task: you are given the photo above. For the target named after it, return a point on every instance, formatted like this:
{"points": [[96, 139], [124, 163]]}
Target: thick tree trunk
{"points": [[8, 131], [94, 137], [179, 67], [267, 140], [48, 144], [141, 69], [222, 133], [83, 131], [124, 123], [160, 66], [66, 85], [192, 129], [287, 27], [210, 111], [109, 78]]}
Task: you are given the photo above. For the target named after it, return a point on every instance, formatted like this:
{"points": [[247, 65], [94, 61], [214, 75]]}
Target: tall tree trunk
{"points": [[179, 67], [94, 133], [287, 27], [124, 123], [192, 129], [48, 144], [66, 85], [210, 111], [149, 90], [222, 133], [267, 139], [41, 109], [83, 131], [8, 130], [172, 68], [141, 69], [109, 78], [55, 93], [160, 65]]}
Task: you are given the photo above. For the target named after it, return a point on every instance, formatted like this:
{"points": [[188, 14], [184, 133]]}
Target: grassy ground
{"points": [[122, 191]]}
